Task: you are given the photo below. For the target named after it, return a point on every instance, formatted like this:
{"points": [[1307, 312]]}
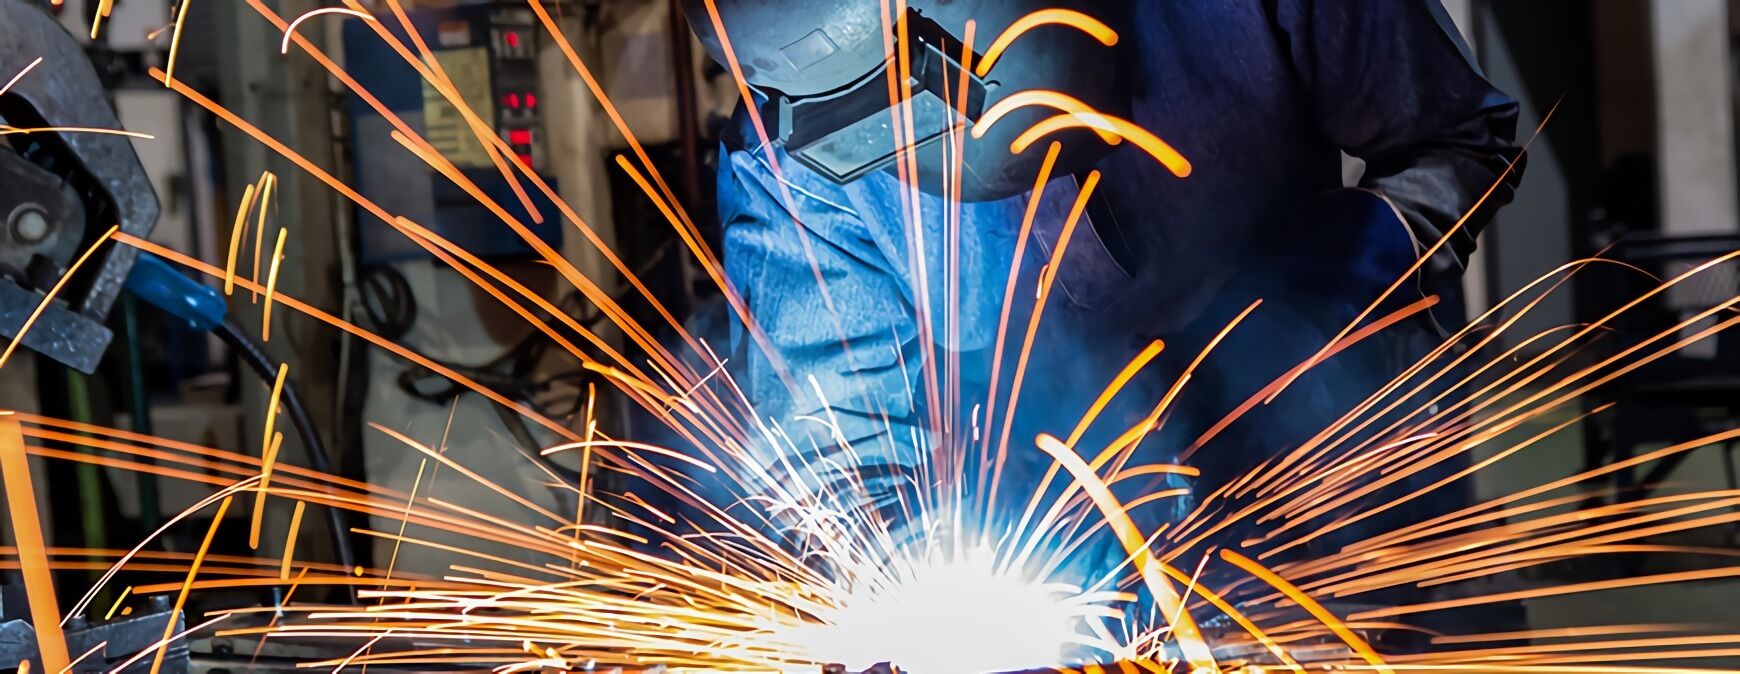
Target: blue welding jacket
{"points": [[1263, 97]]}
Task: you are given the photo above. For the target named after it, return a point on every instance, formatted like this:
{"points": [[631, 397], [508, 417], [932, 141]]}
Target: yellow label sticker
{"points": [[443, 124]]}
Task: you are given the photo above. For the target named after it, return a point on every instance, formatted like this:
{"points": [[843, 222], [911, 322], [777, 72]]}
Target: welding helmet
{"points": [[821, 68]]}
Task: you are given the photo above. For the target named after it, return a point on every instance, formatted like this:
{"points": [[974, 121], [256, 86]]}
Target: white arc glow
{"points": [[950, 615]]}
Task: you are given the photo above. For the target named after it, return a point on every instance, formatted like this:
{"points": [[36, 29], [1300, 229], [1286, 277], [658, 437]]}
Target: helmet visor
{"points": [[850, 132]]}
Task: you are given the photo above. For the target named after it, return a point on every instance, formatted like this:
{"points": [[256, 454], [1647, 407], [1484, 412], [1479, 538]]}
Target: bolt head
{"points": [[30, 223]]}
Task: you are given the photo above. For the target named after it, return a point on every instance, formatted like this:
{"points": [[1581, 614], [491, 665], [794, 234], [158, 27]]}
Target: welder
{"points": [[1262, 97]]}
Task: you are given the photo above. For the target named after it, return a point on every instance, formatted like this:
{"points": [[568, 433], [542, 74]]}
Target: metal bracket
{"points": [[101, 171]]}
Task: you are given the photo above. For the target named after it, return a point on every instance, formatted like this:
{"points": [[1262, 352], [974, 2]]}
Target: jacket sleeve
{"points": [[1394, 84], [834, 334], [836, 316], [854, 353]]}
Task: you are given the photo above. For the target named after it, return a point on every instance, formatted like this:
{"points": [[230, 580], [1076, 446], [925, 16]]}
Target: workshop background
{"points": [[1638, 162]]}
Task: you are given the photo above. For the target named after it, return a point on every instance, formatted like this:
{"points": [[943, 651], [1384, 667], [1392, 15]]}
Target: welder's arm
{"points": [[837, 351], [1395, 85], [856, 354]]}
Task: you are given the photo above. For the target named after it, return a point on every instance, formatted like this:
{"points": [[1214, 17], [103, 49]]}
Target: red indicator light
{"points": [[519, 136], [511, 101], [526, 159], [512, 38], [531, 100]]}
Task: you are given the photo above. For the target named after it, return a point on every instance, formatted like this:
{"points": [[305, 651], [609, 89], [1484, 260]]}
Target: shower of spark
{"points": [[954, 613], [712, 588]]}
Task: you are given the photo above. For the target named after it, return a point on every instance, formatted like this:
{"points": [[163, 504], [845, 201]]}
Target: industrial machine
{"points": [[488, 52], [61, 189]]}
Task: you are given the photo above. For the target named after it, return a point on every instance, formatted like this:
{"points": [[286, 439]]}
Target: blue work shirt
{"points": [[1262, 96]]}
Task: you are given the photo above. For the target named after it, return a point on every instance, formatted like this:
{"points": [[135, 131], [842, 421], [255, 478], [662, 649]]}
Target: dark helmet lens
{"points": [[848, 133], [868, 144]]}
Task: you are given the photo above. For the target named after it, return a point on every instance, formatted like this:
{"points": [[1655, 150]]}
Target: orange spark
{"points": [[1154, 469], [269, 459], [625, 444], [1058, 100], [1305, 601], [1045, 280], [118, 601], [290, 541], [1054, 16], [1013, 279], [271, 287], [32, 552], [104, 8], [186, 586], [1153, 571], [1119, 127], [241, 224], [268, 184], [269, 443], [1135, 365], [169, 70]]}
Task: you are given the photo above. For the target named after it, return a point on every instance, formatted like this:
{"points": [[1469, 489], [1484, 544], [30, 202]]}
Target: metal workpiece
{"points": [[69, 337], [60, 189], [120, 639]]}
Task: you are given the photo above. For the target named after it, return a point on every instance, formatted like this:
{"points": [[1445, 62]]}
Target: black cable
{"points": [[266, 367], [512, 374], [516, 427], [388, 301], [510, 418]]}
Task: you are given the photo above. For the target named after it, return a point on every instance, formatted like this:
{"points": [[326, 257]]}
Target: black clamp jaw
{"points": [[60, 190]]}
